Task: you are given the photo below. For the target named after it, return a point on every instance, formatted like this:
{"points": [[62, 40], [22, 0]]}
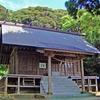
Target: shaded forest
{"points": [[83, 22]]}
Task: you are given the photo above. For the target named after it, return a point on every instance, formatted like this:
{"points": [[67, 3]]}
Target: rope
{"points": [[64, 61]]}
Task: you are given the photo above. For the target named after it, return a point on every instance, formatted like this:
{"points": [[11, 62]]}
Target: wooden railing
{"points": [[2, 80], [91, 84], [14, 83]]}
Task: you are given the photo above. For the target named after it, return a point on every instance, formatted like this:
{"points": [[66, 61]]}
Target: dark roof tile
{"points": [[26, 36]]}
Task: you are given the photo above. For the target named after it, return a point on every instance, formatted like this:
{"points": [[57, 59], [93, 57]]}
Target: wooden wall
{"points": [[68, 69], [13, 63], [27, 62]]}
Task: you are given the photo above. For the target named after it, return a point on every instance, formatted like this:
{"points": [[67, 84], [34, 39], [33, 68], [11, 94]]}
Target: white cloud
{"points": [[27, 3], [1, 0], [18, 4], [13, 6]]}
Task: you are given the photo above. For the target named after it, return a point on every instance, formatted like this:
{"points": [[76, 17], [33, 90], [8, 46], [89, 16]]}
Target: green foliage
{"points": [[3, 70], [2, 12], [85, 23], [92, 6], [69, 23], [5, 14], [72, 7], [39, 16]]}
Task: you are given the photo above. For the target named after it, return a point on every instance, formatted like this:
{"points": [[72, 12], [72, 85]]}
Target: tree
{"points": [[5, 14], [92, 64], [39, 16], [92, 6], [2, 12], [85, 23]]}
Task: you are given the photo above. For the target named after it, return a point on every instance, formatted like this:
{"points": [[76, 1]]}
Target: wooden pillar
{"points": [[82, 76], [49, 75]]}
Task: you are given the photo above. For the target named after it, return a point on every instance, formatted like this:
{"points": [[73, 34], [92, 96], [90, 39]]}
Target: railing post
{"points": [[89, 85], [18, 91], [96, 84], [6, 83]]}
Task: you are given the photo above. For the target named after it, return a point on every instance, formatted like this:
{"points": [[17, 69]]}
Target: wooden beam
{"points": [[82, 76], [68, 51], [67, 55], [49, 53]]}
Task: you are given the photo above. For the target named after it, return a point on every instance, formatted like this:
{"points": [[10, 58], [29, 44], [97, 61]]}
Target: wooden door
{"points": [[28, 64], [58, 68], [23, 61], [32, 65]]}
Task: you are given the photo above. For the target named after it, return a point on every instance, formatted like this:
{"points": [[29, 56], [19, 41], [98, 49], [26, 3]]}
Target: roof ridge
{"points": [[40, 28]]}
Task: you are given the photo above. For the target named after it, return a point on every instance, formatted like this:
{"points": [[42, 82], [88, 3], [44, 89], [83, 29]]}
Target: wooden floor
{"points": [[20, 83]]}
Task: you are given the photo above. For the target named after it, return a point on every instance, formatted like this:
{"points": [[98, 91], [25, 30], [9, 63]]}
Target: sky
{"points": [[19, 4]]}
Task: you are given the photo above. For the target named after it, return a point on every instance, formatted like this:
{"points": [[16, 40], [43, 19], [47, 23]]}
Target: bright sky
{"points": [[18, 4]]}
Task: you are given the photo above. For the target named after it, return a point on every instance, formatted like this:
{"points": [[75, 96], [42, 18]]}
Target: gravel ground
{"points": [[85, 98]]}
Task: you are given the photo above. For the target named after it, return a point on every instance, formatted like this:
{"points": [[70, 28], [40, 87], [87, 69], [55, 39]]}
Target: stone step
{"points": [[65, 93], [61, 91], [62, 78], [60, 85], [66, 88], [62, 81], [58, 81], [57, 78]]}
